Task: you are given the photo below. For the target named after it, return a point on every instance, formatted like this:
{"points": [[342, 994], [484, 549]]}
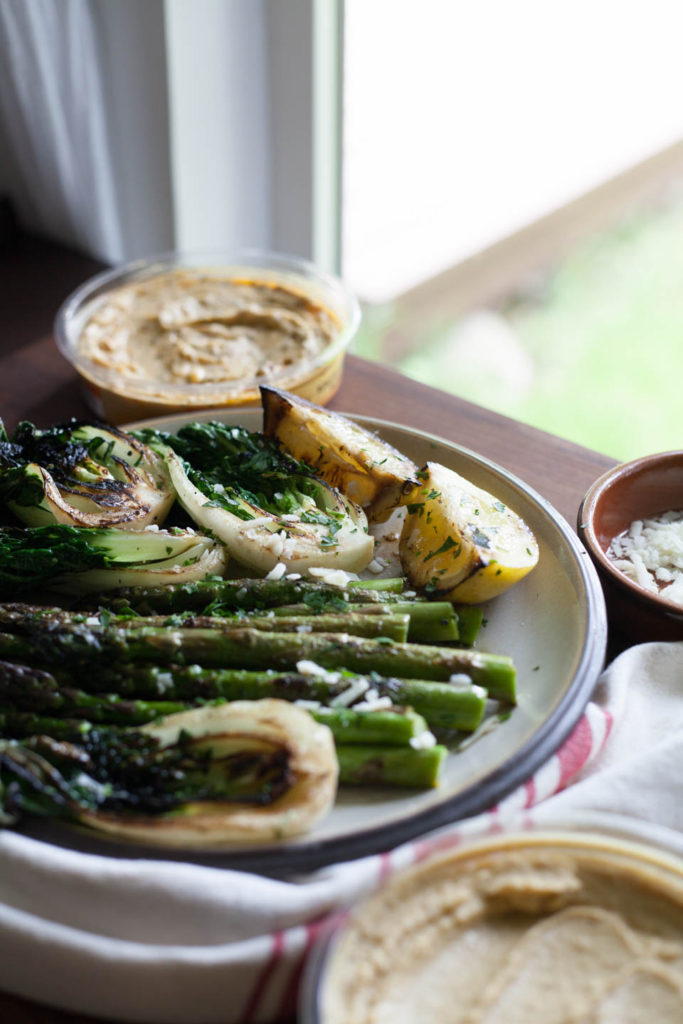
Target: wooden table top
{"points": [[36, 383]]}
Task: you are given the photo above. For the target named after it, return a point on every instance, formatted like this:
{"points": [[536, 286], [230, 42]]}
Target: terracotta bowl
{"points": [[633, 490]]}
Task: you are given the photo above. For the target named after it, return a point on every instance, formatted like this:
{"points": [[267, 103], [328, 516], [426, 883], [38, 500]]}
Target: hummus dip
{"points": [[188, 326], [526, 931]]}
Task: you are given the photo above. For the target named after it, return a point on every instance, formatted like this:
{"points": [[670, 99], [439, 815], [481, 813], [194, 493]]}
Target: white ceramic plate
{"points": [[553, 624]]}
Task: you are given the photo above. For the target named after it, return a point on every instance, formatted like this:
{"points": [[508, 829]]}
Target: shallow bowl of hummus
{"points": [[557, 925], [180, 332]]}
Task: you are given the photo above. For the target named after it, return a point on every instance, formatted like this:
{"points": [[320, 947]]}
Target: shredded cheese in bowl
{"points": [[650, 552]]}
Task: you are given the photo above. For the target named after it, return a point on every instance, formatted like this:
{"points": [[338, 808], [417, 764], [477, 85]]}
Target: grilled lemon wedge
{"points": [[361, 465], [461, 542]]}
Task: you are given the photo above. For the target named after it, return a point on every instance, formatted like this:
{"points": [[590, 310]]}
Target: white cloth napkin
{"points": [[145, 941]]}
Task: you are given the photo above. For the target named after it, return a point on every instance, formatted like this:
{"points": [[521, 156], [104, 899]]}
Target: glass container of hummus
{"points": [[187, 332], [550, 926]]}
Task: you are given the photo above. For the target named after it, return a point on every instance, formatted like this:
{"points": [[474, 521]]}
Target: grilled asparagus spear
{"points": [[23, 619], [367, 764], [362, 766], [430, 621], [83, 645], [442, 705], [242, 595], [37, 693]]}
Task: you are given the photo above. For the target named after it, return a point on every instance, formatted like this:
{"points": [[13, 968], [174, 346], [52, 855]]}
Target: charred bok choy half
{"points": [[244, 771], [264, 505], [80, 560], [81, 474]]}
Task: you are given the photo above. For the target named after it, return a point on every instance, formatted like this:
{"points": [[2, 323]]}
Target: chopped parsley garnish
{"points": [[447, 545], [480, 538], [416, 508], [319, 602]]}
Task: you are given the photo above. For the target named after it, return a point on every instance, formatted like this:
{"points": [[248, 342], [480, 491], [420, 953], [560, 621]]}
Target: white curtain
{"points": [[54, 119], [136, 126]]}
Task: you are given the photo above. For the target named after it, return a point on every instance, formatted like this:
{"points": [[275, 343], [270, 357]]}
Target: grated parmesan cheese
{"points": [[459, 679], [276, 544], [375, 703], [650, 552], [164, 682], [424, 741], [353, 691], [311, 668], [335, 577], [277, 572], [256, 523]]}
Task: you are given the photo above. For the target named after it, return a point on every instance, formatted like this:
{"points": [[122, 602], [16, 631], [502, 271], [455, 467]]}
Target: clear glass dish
{"points": [[118, 398]]}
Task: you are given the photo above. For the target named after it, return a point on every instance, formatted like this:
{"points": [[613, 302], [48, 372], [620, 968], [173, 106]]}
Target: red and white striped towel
{"points": [[150, 941], [273, 995]]}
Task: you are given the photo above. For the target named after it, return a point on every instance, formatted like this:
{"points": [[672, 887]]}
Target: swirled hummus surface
{"points": [[521, 936], [189, 326]]}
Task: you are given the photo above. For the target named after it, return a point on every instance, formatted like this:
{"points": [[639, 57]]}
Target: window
{"points": [[512, 206]]}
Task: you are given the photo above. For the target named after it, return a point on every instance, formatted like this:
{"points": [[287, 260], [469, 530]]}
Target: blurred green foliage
{"points": [[593, 351]]}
